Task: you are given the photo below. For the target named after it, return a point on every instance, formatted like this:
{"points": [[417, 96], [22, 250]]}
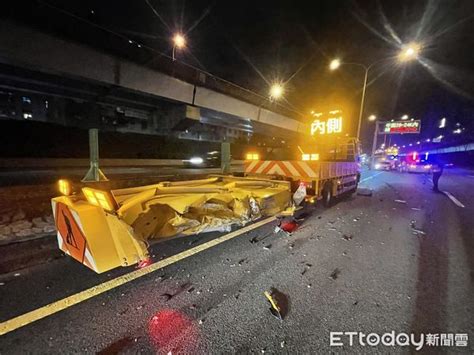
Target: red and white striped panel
{"points": [[293, 168]]}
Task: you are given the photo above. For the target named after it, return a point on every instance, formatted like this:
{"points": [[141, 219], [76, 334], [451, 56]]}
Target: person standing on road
{"points": [[437, 170]]}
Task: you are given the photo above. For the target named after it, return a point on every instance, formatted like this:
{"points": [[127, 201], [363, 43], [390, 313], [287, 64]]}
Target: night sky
{"points": [[253, 43]]}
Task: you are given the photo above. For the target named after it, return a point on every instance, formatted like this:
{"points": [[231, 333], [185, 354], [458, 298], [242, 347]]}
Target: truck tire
{"points": [[328, 198]]}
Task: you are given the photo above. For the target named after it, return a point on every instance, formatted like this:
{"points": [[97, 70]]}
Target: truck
{"points": [[105, 228], [322, 170]]}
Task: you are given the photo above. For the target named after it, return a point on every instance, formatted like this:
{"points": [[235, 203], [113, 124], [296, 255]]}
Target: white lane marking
{"points": [[371, 177], [454, 199]]}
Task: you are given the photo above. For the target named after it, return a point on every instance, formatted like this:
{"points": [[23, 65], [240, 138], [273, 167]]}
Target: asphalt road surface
{"points": [[400, 260]]}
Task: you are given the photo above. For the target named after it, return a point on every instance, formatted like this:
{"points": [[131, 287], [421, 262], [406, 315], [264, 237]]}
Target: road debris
{"points": [[267, 247], [400, 201], [241, 261], [418, 231], [335, 274], [118, 346], [279, 303], [414, 229], [347, 237], [289, 226], [361, 191]]}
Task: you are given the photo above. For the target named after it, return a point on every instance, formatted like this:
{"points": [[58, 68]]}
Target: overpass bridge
{"points": [[50, 79]]}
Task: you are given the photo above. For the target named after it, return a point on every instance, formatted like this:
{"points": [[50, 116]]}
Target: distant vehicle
{"points": [[210, 160], [383, 165], [418, 167]]}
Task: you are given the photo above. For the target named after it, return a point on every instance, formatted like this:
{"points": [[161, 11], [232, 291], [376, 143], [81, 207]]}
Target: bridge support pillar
{"points": [[225, 157], [94, 174]]}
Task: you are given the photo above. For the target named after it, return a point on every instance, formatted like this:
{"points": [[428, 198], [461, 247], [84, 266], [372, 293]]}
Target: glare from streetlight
{"points": [[409, 52], [276, 91], [179, 41], [372, 118], [335, 63]]}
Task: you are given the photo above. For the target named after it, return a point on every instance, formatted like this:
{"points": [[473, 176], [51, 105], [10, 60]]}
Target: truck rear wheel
{"points": [[328, 198]]}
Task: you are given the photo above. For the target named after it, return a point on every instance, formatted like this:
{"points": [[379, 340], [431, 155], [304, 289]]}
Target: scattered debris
{"points": [[279, 303], [308, 285], [356, 219], [267, 247], [144, 263], [400, 201], [119, 346], [258, 238], [355, 303], [241, 261], [191, 289], [291, 245], [282, 344], [364, 192], [415, 230], [289, 226], [418, 231], [335, 274], [193, 241], [167, 296], [347, 237]]}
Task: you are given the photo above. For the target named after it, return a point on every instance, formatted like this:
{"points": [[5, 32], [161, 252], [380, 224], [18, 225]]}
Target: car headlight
{"points": [[196, 160]]}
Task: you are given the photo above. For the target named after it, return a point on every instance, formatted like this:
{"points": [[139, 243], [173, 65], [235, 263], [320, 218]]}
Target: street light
{"points": [[372, 118], [405, 117], [178, 42], [335, 63], [276, 91], [409, 52]]}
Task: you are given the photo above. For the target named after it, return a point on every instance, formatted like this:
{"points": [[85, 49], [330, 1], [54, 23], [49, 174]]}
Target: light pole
{"points": [[336, 63], [178, 42], [408, 52], [374, 142]]}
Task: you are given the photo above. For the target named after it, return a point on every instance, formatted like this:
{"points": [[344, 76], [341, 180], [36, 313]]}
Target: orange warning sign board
{"points": [[73, 238]]}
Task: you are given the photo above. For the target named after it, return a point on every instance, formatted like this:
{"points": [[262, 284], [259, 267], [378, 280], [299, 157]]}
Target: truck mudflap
{"points": [[107, 229]]}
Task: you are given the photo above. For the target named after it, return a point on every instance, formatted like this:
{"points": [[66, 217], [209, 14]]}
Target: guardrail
{"points": [[45, 163]]}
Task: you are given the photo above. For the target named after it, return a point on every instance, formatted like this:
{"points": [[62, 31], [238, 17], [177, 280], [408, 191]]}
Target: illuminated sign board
{"points": [[333, 124], [402, 127]]}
